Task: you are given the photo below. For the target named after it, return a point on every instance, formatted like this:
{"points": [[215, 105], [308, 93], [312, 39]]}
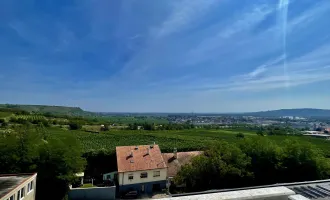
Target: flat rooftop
{"points": [[261, 193], [316, 190], [8, 182]]}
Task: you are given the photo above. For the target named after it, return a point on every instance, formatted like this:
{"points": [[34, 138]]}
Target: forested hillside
{"points": [[60, 110]]}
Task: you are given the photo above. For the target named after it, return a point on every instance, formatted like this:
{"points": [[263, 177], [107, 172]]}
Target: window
{"points": [[144, 175], [30, 186], [130, 176], [22, 193], [156, 173], [11, 198], [19, 195], [108, 177]]}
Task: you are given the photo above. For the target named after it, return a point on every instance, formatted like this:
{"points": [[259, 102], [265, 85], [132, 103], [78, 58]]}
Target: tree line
{"points": [[31, 149], [253, 162]]}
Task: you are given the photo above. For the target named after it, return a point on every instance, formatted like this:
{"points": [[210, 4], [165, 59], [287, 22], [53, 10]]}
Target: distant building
{"points": [[110, 176], [141, 168], [17, 186], [80, 175]]}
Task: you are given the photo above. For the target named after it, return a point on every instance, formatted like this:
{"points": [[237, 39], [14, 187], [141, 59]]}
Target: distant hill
{"points": [[299, 112], [60, 110]]}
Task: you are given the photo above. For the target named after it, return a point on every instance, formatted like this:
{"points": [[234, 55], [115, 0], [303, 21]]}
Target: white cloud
{"points": [[246, 21], [184, 13], [257, 72]]}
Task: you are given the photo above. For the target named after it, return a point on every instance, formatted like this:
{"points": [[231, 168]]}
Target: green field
{"points": [[183, 140], [5, 114]]}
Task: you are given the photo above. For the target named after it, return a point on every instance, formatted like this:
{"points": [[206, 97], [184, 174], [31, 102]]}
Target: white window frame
{"points": [[156, 173], [12, 197], [29, 187], [144, 174], [22, 193], [18, 195]]}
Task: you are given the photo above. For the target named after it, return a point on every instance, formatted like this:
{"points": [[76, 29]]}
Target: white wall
{"points": [[123, 177], [27, 195], [112, 174]]}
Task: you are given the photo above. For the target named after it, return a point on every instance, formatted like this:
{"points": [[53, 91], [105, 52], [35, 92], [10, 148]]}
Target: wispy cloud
{"points": [[171, 54], [183, 13], [299, 72]]}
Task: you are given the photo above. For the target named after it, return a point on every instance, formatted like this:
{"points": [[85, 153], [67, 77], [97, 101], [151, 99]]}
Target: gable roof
{"points": [[140, 160], [183, 158]]}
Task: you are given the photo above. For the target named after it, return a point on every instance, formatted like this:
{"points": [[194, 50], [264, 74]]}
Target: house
{"points": [[17, 186], [110, 176], [80, 175], [141, 168], [176, 160]]}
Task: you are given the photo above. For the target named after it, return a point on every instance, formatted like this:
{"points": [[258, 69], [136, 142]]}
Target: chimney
{"points": [[175, 153], [148, 151], [131, 154]]}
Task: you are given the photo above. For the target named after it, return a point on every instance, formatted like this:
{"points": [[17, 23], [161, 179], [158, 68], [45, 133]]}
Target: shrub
{"points": [[240, 135], [74, 126]]}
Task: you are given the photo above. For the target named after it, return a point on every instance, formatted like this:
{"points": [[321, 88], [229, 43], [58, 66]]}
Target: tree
{"points": [[240, 135], [74, 126], [260, 133], [56, 161], [2, 120], [223, 166], [265, 159], [4, 124], [318, 129], [56, 165], [303, 162]]}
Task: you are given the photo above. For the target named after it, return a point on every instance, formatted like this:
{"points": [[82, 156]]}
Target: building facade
{"points": [[18, 186], [141, 168]]}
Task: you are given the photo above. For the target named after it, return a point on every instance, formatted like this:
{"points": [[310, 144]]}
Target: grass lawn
{"points": [[87, 185]]}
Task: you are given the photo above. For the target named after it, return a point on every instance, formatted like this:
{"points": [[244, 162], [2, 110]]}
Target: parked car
{"points": [[130, 195]]}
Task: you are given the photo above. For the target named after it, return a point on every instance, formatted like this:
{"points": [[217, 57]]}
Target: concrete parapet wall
{"points": [[272, 193], [95, 193]]}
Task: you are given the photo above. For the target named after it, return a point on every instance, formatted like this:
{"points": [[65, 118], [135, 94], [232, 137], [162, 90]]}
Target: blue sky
{"points": [[166, 56]]}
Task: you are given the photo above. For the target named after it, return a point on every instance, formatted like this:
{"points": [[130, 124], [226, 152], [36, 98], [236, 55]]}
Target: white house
{"points": [[109, 176], [141, 168], [18, 186]]}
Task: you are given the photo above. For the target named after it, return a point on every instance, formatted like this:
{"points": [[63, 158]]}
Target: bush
{"points": [[260, 133], [2, 120], [4, 124], [74, 126], [240, 135]]}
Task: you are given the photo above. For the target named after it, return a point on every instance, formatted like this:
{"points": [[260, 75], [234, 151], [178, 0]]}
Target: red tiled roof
{"points": [[183, 158], [140, 159]]}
